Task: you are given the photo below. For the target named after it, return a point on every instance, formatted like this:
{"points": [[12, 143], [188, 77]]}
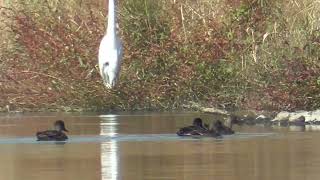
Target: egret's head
{"points": [[109, 74]]}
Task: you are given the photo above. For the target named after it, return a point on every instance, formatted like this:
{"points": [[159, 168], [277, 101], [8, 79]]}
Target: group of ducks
{"points": [[196, 129], [199, 129]]}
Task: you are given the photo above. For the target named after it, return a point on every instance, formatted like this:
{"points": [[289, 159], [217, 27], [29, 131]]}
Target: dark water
{"points": [[144, 146]]}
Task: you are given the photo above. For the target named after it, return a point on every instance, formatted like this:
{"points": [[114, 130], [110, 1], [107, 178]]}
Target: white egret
{"points": [[110, 50]]}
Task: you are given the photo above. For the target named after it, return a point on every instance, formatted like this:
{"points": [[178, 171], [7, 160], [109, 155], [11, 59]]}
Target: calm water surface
{"points": [[144, 146]]}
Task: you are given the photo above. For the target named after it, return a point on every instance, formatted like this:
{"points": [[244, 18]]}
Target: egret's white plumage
{"points": [[110, 50]]}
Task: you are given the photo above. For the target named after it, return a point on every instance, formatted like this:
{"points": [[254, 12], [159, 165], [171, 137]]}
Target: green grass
{"points": [[254, 54]]}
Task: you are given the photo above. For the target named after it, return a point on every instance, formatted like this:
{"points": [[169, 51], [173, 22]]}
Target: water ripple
{"points": [[129, 137]]}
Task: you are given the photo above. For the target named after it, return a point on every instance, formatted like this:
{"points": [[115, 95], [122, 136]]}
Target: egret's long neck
{"points": [[111, 30]]}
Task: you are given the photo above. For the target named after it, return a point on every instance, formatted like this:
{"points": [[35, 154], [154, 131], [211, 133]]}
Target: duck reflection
{"points": [[109, 149]]}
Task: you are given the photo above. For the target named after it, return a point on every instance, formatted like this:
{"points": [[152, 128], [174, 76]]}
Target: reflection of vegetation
{"points": [[248, 53]]}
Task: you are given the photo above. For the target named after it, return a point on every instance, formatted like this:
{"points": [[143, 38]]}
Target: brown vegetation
{"points": [[240, 54]]}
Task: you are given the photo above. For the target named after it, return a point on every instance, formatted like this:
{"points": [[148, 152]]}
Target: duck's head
{"points": [[217, 123], [59, 126], [206, 126], [197, 122]]}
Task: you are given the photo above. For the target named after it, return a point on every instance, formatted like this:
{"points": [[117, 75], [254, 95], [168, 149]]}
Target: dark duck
{"points": [[54, 135], [222, 129], [197, 129]]}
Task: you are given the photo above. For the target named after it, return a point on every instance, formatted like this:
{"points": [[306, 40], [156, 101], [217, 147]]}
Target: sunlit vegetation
{"points": [[254, 54]]}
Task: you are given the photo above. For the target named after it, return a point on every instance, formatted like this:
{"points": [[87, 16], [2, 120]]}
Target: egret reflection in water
{"points": [[109, 149]]}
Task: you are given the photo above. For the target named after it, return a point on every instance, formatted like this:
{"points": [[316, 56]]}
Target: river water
{"points": [[138, 146]]}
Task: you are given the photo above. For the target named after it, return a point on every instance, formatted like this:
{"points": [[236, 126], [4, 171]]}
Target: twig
{"points": [[42, 74]]}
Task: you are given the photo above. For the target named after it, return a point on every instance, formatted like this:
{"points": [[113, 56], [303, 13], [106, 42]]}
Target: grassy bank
{"points": [[251, 54]]}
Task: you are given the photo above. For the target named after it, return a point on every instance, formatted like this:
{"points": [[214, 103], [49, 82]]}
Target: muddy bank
{"points": [[240, 117]]}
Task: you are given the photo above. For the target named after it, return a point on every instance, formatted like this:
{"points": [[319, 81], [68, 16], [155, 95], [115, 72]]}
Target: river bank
{"points": [[238, 117], [245, 55]]}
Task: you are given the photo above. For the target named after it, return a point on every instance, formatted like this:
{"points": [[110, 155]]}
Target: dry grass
{"points": [[249, 54]]}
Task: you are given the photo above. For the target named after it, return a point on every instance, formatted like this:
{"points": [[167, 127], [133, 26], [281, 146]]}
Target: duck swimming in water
{"points": [[197, 129], [54, 135], [222, 129]]}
